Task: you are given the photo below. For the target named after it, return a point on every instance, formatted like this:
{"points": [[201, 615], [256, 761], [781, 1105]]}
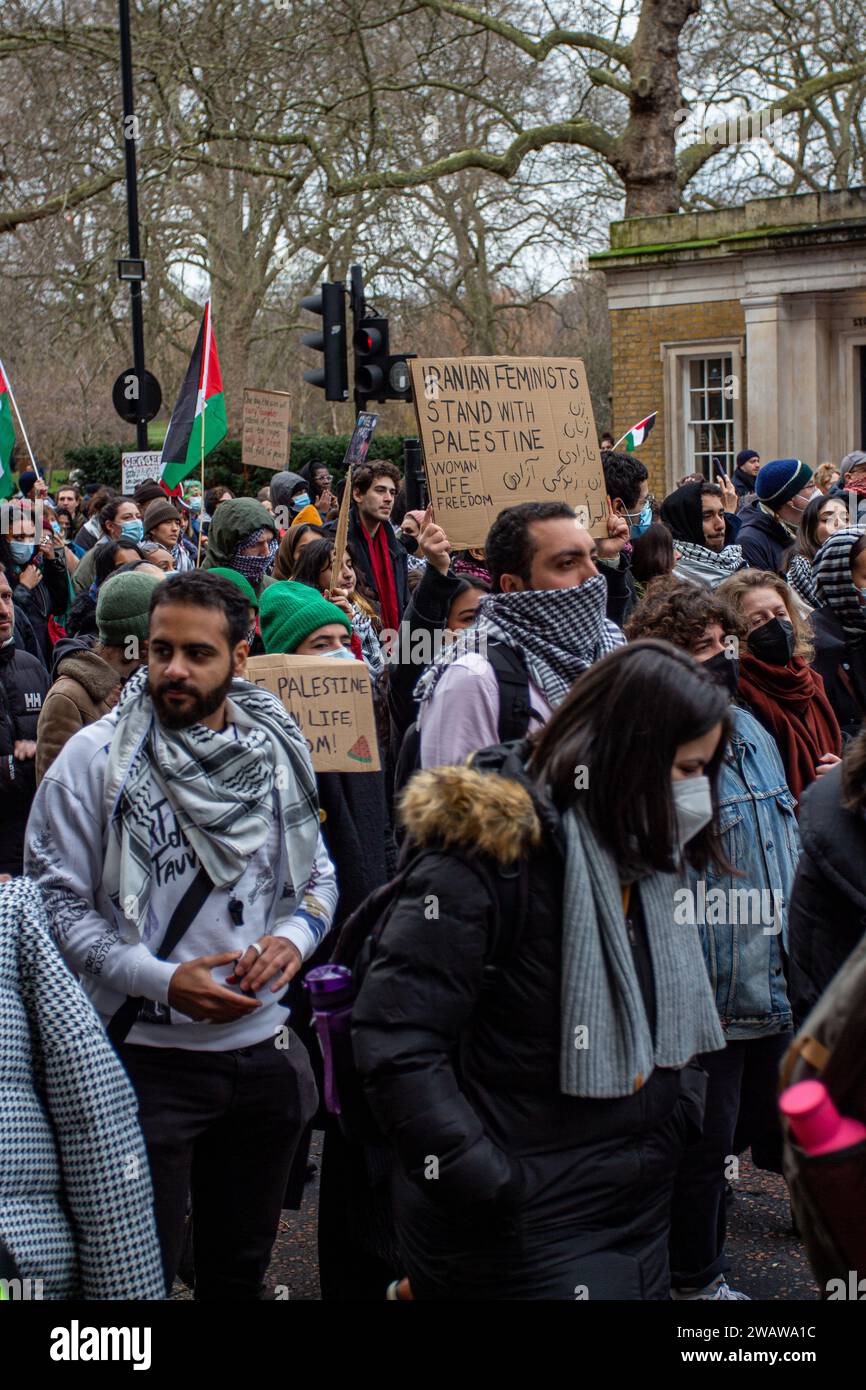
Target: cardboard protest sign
{"points": [[267, 429], [497, 431], [134, 468], [332, 704]]}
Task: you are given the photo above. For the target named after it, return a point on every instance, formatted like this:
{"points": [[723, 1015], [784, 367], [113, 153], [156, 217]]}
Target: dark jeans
{"points": [[740, 1112], [223, 1126]]}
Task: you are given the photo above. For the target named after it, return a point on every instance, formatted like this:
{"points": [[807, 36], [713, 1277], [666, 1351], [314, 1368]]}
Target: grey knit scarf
{"points": [[607, 1047]]}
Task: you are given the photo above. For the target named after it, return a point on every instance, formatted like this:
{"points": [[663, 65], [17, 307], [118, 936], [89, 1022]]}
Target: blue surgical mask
{"points": [[644, 521], [133, 531], [22, 551], [345, 653], [302, 500]]}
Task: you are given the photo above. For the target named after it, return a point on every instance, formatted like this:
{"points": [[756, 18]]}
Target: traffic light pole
{"points": [[135, 300]]}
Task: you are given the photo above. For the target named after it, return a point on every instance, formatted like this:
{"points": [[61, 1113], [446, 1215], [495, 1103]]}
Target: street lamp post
{"points": [[134, 261]]}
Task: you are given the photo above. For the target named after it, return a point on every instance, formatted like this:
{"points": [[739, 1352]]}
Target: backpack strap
{"points": [[512, 679], [182, 918]]}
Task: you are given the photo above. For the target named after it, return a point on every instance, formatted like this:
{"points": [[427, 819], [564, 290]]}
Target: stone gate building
{"points": [[745, 327]]}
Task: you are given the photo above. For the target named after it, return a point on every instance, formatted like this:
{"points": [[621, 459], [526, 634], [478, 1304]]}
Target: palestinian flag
{"points": [[200, 412], [7, 438], [638, 433]]}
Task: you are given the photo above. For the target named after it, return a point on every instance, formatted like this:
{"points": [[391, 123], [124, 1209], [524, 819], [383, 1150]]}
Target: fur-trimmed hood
{"points": [[460, 808]]}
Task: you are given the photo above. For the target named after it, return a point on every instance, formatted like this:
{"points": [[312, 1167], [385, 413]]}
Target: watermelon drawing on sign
{"points": [[360, 751]]}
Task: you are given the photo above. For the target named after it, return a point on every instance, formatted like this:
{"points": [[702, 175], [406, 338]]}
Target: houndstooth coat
{"points": [[76, 1208]]}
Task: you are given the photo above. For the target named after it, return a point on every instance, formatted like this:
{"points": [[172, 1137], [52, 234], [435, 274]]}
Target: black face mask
{"points": [[773, 642], [724, 669], [409, 543]]}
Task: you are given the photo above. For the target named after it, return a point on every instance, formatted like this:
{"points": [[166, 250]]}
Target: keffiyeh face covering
{"points": [[255, 567]]}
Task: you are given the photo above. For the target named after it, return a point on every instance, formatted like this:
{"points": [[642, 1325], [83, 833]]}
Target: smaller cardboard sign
{"points": [[267, 429], [355, 456], [134, 468], [331, 701]]}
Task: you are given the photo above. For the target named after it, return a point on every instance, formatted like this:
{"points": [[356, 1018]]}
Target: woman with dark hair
{"points": [[81, 622], [290, 546], [313, 566], [823, 516], [839, 624], [777, 681], [652, 555], [534, 938]]}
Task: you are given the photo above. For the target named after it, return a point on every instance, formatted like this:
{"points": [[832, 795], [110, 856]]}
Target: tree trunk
{"points": [[647, 162]]}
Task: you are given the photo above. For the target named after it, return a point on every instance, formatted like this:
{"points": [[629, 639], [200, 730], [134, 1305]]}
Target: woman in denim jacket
{"points": [[741, 916]]}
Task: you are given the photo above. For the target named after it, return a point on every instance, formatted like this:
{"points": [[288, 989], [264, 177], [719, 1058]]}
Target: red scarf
{"points": [[383, 577], [791, 704]]}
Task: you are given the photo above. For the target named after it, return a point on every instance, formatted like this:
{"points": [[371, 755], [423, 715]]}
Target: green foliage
{"points": [[100, 463]]}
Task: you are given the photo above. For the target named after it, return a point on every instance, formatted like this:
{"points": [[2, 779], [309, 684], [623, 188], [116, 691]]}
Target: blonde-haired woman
{"points": [[776, 680]]}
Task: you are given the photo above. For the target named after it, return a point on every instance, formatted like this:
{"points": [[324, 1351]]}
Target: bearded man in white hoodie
{"points": [[176, 842]]}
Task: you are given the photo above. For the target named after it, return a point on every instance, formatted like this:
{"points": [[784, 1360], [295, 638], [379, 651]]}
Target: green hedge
{"points": [[100, 463]]}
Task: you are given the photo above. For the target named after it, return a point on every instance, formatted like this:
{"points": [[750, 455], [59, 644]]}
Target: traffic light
{"points": [[380, 375], [333, 376]]}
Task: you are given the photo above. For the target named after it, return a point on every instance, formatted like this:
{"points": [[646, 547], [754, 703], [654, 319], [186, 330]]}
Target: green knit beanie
{"points": [[289, 612], [243, 584], [123, 607]]}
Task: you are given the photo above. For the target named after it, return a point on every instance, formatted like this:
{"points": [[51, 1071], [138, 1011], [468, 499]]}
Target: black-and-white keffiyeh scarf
{"points": [[220, 787], [560, 632], [705, 566], [831, 568], [801, 577]]}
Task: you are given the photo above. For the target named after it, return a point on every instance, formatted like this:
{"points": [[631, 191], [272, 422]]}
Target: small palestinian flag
{"points": [[200, 412], [638, 433], [7, 437]]}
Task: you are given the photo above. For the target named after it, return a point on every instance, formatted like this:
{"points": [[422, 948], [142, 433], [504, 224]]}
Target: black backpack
{"points": [[356, 948], [514, 709]]}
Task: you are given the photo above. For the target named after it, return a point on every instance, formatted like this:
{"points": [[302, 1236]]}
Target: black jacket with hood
{"points": [[23, 686], [827, 912], [470, 1074], [763, 539], [841, 664]]}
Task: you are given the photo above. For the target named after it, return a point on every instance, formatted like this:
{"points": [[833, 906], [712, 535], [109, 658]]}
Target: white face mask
{"points": [[693, 807], [345, 653]]}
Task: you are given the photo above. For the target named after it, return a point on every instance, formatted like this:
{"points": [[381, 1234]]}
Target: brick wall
{"points": [[638, 373]]}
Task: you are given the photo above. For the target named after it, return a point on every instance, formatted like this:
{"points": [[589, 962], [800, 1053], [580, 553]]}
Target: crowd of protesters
{"points": [[607, 868]]}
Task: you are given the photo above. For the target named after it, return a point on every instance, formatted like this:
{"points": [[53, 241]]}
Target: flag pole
{"points": [[14, 404], [203, 388], [619, 441]]}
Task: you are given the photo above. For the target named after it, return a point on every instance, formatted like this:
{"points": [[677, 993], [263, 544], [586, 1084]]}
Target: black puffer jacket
{"points": [[469, 1077], [842, 666], [23, 686], [827, 912]]}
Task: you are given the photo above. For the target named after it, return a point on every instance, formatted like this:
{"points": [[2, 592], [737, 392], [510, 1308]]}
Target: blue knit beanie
{"points": [[780, 480]]}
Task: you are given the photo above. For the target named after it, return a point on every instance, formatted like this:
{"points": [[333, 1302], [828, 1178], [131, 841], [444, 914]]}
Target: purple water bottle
{"points": [[332, 994]]}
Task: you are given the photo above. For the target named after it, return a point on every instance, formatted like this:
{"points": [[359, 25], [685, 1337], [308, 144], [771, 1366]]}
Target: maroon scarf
{"points": [[791, 704], [383, 577]]}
